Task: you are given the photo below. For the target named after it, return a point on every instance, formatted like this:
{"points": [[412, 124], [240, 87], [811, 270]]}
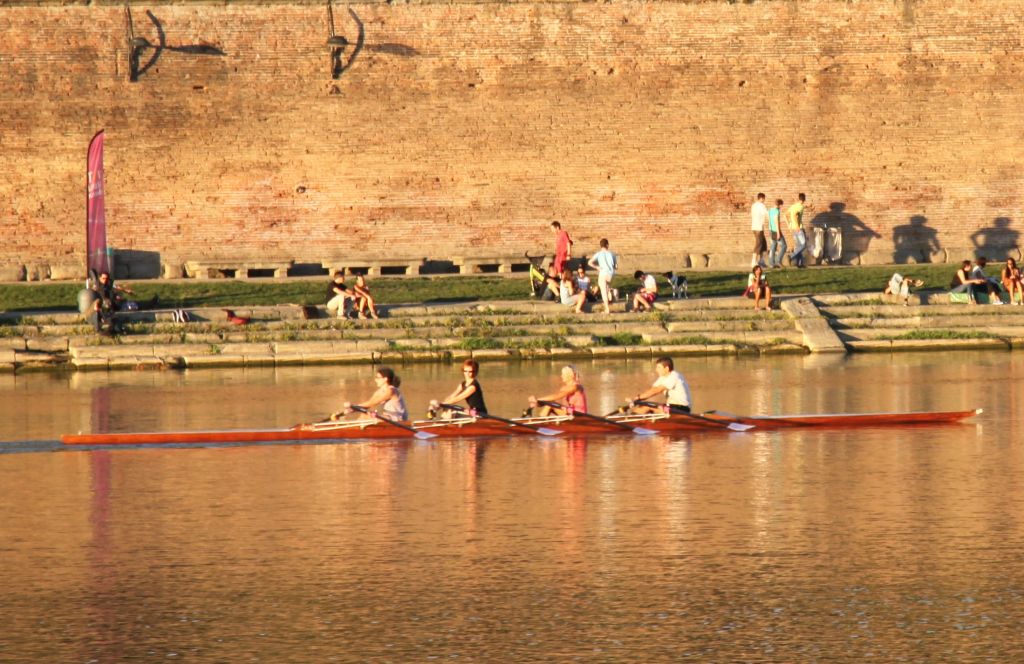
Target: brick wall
{"points": [[465, 128]]}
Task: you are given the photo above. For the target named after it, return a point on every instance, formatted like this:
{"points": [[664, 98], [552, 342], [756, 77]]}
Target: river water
{"points": [[885, 544]]}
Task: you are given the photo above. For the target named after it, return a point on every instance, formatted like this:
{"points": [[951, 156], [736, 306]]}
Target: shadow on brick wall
{"points": [[995, 242], [915, 242], [857, 235], [160, 46]]}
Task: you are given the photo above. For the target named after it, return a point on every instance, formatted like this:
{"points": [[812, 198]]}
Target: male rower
{"points": [[670, 383]]}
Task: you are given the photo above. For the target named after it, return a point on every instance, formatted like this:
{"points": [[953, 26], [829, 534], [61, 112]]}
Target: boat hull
{"points": [[479, 428]]}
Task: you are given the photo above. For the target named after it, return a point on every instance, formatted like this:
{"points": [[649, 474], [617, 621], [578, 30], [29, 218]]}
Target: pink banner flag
{"points": [[96, 218]]}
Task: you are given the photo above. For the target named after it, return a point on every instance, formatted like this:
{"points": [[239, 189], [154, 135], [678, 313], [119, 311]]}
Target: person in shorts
{"points": [[648, 293]]}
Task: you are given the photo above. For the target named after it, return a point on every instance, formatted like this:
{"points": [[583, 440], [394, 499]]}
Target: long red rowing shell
{"points": [[372, 429]]}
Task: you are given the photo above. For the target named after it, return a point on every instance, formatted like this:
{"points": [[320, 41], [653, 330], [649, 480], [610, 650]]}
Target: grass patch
{"points": [[480, 343], [620, 339], [547, 341], [940, 334], [694, 340], [34, 296]]}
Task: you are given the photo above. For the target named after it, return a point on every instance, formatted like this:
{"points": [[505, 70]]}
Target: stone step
{"points": [[879, 333]]}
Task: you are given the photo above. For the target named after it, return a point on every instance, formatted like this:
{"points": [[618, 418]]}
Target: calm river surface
{"points": [[882, 544]]}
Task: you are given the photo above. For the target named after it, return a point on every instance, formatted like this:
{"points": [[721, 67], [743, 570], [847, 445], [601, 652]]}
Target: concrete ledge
{"points": [[134, 363], [212, 268], [91, 363], [36, 358], [114, 351], [784, 349], [886, 345], [372, 266], [491, 264], [819, 336], [608, 351], [489, 354], [569, 353], [203, 361]]}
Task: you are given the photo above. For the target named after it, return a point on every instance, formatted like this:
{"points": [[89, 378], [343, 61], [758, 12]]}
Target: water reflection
{"points": [[43, 406], [780, 546]]}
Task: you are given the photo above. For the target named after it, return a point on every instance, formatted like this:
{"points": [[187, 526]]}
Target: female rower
{"points": [[469, 390], [571, 394], [387, 396]]}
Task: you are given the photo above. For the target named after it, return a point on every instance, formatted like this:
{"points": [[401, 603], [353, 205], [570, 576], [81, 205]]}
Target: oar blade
{"points": [[544, 431], [640, 431], [425, 435], [736, 426]]}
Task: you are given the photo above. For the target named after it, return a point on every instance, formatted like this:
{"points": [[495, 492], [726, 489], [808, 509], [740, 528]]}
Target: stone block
{"points": [[134, 363], [90, 363], [66, 271], [488, 355], [209, 361], [47, 344], [12, 272]]}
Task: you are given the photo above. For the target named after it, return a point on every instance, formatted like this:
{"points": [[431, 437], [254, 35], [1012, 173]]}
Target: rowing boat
{"points": [[472, 427]]}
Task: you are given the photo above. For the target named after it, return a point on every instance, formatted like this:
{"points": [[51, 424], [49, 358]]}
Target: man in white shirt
{"points": [[758, 222], [648, 293], [670, 383]]}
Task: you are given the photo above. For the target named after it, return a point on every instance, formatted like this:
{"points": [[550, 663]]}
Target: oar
{"points": [[733, 426], [421, 435], [544, 431], [640, 431]]}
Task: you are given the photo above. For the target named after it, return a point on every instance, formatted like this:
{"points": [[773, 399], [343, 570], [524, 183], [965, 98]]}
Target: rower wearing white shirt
{"points": [[670, 383]]}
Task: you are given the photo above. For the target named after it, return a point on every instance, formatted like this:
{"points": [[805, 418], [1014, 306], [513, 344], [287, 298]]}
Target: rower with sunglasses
{"points": [[468, 390]]}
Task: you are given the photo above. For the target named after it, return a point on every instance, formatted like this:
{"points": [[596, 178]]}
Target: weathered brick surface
{"points": [[464, 128]]}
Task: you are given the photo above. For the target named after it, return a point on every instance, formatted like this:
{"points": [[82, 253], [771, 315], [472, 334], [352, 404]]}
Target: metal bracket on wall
{"points": [[335, 43], [135, 45]]}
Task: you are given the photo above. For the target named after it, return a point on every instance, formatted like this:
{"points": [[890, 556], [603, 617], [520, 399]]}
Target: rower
{"points": [[670, 383], [468, 390], [571, 394], [387, 396]]}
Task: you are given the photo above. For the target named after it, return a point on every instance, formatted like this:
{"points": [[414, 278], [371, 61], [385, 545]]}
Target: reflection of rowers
{"points": [[469, 390], [387, 396], [571, 395], [670, 383]]}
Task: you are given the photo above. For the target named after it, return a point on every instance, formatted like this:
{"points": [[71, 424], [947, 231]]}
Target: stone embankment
{"points": [[281, 335]]}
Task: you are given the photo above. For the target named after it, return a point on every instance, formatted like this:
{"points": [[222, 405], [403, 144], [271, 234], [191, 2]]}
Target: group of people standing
{"points": [[570, 397], [772, 220], [575, 289]]}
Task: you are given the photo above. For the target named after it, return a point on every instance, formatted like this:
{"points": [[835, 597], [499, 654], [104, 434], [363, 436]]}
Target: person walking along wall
{"points": [[796, 224], [605, 262], [758, 222]]}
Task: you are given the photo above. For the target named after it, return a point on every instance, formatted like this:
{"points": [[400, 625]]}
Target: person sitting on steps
{"points": [[1012, 281], [644, 298], [339, 297], [108, 301], [963, 282], [363, 300], [900, 286], [992, 284], [758, 288], [552, 285]]}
